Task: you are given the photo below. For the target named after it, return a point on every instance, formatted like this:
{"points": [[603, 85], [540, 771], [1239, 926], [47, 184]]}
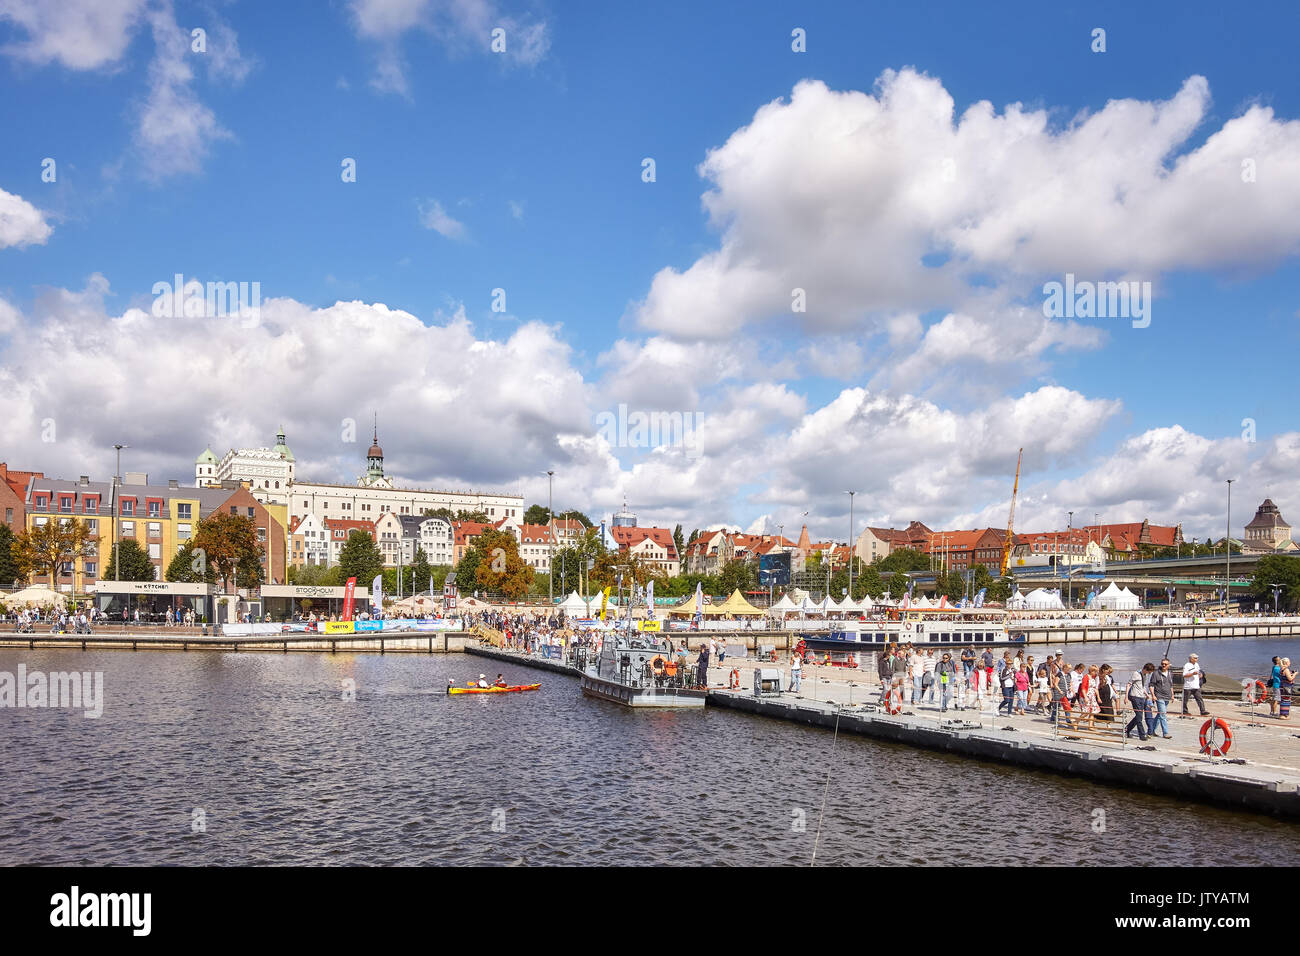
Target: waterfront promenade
{"points": [[1261, 771]]}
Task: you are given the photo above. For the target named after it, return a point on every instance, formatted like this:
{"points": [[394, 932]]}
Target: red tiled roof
{"points": [[349, 524], [630, 537]]}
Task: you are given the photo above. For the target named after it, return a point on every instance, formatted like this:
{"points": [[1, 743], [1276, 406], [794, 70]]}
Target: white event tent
{"points": [[1113, 599]]}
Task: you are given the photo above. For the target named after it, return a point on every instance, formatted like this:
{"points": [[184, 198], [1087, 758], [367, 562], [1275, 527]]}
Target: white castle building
{"points": [[269, 471]]}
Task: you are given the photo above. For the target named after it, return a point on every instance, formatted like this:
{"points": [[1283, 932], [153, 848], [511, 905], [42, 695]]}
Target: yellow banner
{"points": [[604, 601], [649, 625], [340, 627]]}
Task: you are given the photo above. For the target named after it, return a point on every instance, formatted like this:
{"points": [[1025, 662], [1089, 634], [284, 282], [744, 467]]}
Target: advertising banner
{"points": [[360, 626], [339, 627], [348, 595]]}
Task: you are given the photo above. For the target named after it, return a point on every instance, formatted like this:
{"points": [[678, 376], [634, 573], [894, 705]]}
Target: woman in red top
{"points": [[1022, 688]]}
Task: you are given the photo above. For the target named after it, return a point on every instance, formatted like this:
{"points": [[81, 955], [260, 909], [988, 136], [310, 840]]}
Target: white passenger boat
{"points": [[942, 627]]}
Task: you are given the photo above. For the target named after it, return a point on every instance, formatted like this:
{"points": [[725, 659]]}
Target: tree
{"points": [[499, 566], [999, 591], [135, 563], [421, 571], [46, 548], [1275, 569], [446, 515], [8, 561], [679, 543], [904, 559], [230, 549], [866, 580], [188, 567], [738, 574], [570, 563], [537, 514], [898, 582], [360, 558], [314, 575]]}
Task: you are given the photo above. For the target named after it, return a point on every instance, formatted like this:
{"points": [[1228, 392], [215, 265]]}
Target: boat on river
{"points": [[930, 627], [509, 689], [640, 669]]}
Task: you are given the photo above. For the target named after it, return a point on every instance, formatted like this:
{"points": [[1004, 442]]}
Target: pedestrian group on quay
{"points": [[1075, 694]]}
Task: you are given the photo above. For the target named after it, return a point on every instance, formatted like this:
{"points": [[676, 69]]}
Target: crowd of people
{"points": [[1071, 694]]}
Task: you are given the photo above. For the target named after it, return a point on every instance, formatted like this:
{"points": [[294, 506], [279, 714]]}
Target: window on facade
{"points": [[155, 529], [184, 511], [90, 506], [128, 506], [65, 504], [42, 501], [128, 529], [92, 525], [183, 532], [155, 509], [91, 569], [155, 550]]}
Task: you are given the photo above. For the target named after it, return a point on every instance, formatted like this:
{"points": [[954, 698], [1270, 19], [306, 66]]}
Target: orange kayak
{"points": [[513, 689]]}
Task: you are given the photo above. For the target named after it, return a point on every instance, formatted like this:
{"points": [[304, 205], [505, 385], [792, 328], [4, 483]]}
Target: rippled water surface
{"points": [[286, 771]]}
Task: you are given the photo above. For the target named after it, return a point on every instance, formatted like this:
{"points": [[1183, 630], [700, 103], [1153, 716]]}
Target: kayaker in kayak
{"points": [[500, 681], [482, 680]]}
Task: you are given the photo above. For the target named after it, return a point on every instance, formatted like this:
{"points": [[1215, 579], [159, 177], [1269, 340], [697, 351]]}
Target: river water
{"points": [[285, 770]]}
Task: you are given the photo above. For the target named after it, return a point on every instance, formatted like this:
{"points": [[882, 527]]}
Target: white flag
{"points": [[650, 600], [377, 592]]}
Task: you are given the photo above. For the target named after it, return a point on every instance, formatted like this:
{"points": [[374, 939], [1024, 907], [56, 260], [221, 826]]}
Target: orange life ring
{"points": [[894, 700], [908, 625], [1259, 693], [1206, 746], [734, 682]]}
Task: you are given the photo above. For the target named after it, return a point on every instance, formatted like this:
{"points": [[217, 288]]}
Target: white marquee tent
{"points": [[1113, 599], [1041, 599]]}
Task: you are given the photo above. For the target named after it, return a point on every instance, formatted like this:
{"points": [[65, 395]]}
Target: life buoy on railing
{"points": [[907, 626], [1258, 692], [734, 681], [894, 701], [1207, 737]]}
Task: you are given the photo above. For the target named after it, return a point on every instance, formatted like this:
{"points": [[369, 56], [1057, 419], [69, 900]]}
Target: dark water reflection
{"points": [[286, 771]]}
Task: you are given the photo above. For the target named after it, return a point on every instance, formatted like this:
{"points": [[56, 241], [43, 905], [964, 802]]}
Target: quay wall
{"points": [[1214, 783], [1219, 783]]}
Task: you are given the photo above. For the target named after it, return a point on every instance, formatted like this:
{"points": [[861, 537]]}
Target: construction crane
{"points": [[1011, 517]]}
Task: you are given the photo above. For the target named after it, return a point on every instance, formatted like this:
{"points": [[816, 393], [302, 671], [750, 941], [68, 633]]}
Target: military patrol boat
{"points": [[639, 669]]}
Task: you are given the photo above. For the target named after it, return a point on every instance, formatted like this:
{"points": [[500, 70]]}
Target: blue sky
{"points": [[535, 159]]}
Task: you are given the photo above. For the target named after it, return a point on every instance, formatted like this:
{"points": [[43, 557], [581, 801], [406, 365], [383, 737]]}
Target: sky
{"points": [[821, 236]]}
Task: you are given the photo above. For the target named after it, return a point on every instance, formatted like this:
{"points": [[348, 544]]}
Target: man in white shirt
{"points": [[1192, 684]]}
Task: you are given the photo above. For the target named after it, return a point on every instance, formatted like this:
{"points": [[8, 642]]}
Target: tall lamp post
{"points": [[1069, 543], [550, 538], [117, 479], [1227, 547], [1276, 588], [851, 530]]}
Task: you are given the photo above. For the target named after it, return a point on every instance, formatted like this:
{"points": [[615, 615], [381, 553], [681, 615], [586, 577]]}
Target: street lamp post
{"points": [[117, 479], [1069, 578], [851, 530], [550, 538], [1227, 547]]}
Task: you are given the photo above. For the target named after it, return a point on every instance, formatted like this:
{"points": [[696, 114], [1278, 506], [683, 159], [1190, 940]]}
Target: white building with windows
{"points": [[268, 471]]}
